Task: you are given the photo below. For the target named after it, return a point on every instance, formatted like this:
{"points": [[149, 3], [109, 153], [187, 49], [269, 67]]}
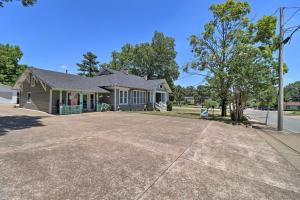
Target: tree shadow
{"points": [[9, 123]]}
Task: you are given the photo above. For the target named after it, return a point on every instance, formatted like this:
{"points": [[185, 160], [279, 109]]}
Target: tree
{"points": [[235, 52], [89, 66], [25, 3], [292, 92], [155, 59], [179, 94], [10, 70], [203, 92], [209, 103]]}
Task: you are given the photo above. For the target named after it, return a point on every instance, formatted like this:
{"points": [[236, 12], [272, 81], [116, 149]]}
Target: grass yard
{"points": [[293, 113], [192, 112]]}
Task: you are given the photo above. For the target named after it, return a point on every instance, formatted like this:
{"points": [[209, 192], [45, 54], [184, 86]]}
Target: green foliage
{"points": [[179, 94], [209, 103], [25, 3], [89, 66], [169, 106], [236, 54], [200, 93], [10, 70], [292, 92], [155, 59]]}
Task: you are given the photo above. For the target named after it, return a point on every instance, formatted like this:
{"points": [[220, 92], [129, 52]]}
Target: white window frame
{"points": [[32, 81], [123, 97], [134, 96], [139, 97], [29, 100]]}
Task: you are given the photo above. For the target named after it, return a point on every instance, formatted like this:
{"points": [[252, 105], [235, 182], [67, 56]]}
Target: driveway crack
{"points": [[141, 195]]}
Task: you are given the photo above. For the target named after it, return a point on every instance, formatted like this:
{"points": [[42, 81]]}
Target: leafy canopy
{"points": [[25, 3], [9, 67], [236, 53], [89, 66], [292, 92], [155, 59]]}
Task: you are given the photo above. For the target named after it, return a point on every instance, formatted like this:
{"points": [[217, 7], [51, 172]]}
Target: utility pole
{"points": [[280, 62]]}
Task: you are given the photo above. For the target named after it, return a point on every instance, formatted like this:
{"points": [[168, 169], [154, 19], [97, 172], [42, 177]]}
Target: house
{"points": [[7, 95], [293, 106], [189, 100], [62, 93]]}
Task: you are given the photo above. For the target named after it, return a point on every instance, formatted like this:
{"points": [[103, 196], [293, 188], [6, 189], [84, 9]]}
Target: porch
{"points": [[74, 102]]}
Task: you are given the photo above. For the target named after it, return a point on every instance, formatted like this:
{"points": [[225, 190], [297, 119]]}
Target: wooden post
{"points": [[280, 72], [81, 101], [60, 102], [153, 98], [50, 102], [97, 101], [115, 98]]}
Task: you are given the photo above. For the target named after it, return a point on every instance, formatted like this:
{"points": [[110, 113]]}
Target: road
{"points": [[291, 123]]}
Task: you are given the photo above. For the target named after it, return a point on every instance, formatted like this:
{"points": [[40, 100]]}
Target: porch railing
{"points": [[72, 109], [103, 107], [161, 106]]}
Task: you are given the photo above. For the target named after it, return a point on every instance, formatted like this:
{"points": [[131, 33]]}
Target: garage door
{"points": [[5, 97]]}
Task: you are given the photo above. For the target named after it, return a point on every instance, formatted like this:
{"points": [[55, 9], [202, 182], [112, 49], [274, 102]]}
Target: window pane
{"points": [[125, 97], [121, 97]]}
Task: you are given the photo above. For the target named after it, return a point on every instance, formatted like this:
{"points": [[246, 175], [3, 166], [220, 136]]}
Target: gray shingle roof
{"points": [[106, 78], [58, 80], [126, 80]]}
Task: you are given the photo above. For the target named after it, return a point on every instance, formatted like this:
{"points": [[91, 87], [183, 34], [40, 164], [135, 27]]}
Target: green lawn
{"points": [[192, 112], [297, 113]]}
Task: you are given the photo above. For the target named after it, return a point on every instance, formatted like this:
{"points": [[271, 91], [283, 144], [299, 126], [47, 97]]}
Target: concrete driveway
{"points": [[136, 156]]}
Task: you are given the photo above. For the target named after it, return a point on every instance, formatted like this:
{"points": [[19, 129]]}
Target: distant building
{"points": [[292, 106], [189, 100], [7, 95]]}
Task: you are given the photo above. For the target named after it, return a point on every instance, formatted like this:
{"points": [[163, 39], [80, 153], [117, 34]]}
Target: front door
{"points": [[92, 104], [84, 102], [158, 97]]}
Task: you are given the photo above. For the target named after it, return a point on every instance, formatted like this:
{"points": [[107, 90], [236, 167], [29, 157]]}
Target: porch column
{"points": [[115, 98], [50, 102], [81, 101], [60, 102], [153, 98], [97, 101]]}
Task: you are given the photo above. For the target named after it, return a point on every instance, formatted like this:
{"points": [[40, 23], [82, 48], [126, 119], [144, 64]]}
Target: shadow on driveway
{"points": [[9, 123]]}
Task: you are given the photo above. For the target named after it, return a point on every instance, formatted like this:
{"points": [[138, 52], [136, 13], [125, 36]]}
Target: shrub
{"points": [[169, 106]]}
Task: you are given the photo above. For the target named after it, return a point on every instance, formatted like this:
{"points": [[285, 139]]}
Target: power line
{"points": [[292, 16], [292, 7], [275, 12], [288, 39]]}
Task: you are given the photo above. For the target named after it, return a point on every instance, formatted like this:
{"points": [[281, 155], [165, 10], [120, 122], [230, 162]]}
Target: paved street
{"points": [[291, 123], [120, 155]]}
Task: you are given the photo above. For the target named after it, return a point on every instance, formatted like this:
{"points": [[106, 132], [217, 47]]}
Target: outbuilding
{"points": [[7, 95]]}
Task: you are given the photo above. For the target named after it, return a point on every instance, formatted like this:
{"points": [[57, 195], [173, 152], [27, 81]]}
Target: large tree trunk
{"points": [[237, 113], [224, 107]]}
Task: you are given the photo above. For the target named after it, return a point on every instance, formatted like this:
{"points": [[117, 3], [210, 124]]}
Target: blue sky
{"points": [[55, 33]]}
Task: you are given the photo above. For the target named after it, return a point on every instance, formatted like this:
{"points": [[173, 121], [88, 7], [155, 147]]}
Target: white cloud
{"points": [[64, 66]]}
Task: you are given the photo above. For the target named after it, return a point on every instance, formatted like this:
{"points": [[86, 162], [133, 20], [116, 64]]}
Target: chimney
{"points": [[146, 77]]}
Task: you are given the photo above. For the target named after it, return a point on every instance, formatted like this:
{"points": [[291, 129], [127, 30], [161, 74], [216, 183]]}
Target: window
{"points": [[32, 81], [28, 97], [123, 97], [134, 97], [139, 97]]}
